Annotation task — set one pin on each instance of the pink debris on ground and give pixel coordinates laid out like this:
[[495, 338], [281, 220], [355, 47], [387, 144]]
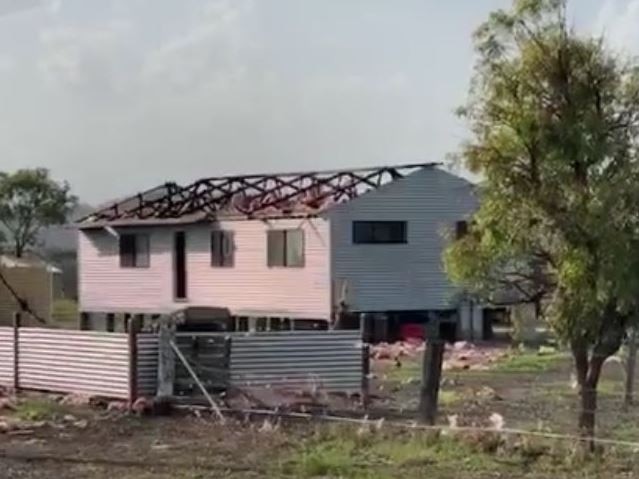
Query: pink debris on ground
[[398, 350], [76, 400], [460, 355]]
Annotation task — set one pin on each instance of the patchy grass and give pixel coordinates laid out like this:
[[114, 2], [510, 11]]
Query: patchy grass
[[529, 361], [37, 409], [450, 398], [409, 371], [347, 452], [65, 313], [351, 453]]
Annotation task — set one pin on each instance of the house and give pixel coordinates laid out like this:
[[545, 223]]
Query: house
[[28, 279], [282, 249]]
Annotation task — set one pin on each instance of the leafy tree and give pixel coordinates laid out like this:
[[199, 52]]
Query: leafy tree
[[555, 120], [29, 201]]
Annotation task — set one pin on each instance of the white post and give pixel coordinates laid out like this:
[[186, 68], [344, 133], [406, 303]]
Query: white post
[[478, 322]]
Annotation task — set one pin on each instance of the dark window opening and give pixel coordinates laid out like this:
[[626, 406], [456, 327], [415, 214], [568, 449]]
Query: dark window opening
[[222, 249], [134, 251], [285, 248], [380, 232], [179, 245], [461, 229]]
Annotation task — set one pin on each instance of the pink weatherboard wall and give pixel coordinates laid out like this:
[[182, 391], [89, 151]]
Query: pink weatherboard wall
[[249, 287]]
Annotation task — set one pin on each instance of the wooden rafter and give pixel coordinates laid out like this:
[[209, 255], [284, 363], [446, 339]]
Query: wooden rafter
[[252, 195]]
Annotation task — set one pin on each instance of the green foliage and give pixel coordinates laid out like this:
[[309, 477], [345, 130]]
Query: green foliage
[[529, 362], [348, 452], [65, 312], [29, 201], [37, 410], [555, 122]]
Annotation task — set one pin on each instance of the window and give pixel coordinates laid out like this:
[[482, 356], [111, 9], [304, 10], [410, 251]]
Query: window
[[222, 248], [379, 232], [134, 251], [179, 264], [461, 229], [285, 248]]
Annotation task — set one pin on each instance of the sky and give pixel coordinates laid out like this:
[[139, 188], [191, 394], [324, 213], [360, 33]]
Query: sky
[[116, 96]]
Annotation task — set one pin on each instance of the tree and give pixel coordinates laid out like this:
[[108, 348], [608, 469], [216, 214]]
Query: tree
[[554, 118], [29, 201]]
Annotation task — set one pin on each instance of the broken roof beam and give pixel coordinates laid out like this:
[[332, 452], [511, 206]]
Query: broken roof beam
[[251, 194]]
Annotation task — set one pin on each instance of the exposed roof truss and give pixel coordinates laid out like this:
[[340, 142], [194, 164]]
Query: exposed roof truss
[[249, 196]]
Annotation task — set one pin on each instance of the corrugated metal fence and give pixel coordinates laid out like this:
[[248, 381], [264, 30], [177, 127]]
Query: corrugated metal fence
[[79, 362], [333, 360], [6, 356], [100, 363], [74, 361], [147, 364]]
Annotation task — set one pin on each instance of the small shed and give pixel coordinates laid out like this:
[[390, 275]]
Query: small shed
[[32, 279]]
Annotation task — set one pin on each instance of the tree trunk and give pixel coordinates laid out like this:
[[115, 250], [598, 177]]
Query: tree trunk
[[630, 368], [588, 394], [588, 371]]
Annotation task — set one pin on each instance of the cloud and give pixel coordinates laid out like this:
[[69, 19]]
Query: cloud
[[209, 50], [194, 89], [8, 7], [84, 56], [6, 63], [618, 22]]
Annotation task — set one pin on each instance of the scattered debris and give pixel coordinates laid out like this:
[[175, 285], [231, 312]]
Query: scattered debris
[[142, 406], [267, 426], [117, 406], [160, 447], [396, 351], [460, 355], [7, 403], [497, 421], [81, 424], [489, 393], [543, 350], [76, 400]]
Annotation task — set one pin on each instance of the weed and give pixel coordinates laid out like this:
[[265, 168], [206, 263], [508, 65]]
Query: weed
[[37, 410], [65, 312], [528, 362]]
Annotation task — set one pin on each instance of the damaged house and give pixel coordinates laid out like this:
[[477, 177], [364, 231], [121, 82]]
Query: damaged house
[[281, 251]]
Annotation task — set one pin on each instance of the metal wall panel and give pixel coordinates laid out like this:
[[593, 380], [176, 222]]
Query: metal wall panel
[[147, 364], [80, 362], [6, 356], [400, 277], [331, 360], [250, 288]]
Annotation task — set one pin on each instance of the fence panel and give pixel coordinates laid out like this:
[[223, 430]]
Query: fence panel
[[330, 359], [81, 362], [207, 354], [6, 356], [147, 364]]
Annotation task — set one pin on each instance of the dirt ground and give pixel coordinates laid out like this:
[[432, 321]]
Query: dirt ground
[[527, 390], [188, 447]]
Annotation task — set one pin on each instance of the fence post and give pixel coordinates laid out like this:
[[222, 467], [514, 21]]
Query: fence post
[[16, 350], [366, 362], [110, 322], [133, 361], [84, 321], [166, 358], [365, 327], [431, 371], [228, 344], [631, 367]]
